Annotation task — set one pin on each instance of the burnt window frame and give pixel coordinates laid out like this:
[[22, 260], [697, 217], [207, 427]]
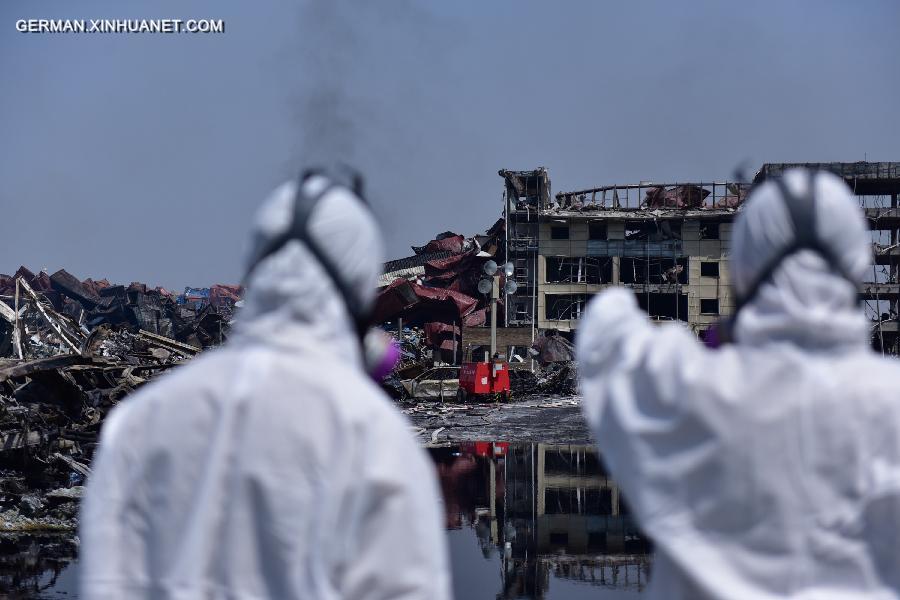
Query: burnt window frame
[[548, 298], [596, 270], [656, 304], [593, 225], [706, 312], [637, 270], [654, 230], [556, 228], [707, 229], [635, 229], [708, 264], [674, 227]]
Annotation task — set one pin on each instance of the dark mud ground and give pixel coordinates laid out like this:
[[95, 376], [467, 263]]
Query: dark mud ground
[[44, 565], [545, 420]]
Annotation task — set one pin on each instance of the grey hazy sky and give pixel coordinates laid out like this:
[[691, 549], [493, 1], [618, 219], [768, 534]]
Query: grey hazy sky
[[142, 157]]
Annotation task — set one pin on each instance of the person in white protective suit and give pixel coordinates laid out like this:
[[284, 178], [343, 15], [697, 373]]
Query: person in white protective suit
[[768, 467], [272, 467]]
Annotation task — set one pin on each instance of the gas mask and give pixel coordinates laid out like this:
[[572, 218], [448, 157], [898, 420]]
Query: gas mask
[[380, 352]]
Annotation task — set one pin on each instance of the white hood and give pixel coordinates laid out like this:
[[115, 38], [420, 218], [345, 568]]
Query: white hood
[[289, 294], [768, 468], [806, 301], [272, 467]]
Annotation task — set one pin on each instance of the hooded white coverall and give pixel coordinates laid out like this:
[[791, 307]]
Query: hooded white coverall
[[769, 468], [271, 467]]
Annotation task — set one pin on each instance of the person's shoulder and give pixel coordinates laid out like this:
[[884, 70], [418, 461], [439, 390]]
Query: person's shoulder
[[366, 407], [889, 363], [373, 403], [881, 372], [392, 451]]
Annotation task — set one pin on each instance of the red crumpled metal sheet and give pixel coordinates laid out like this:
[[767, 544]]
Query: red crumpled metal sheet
[[731, 201], [96, 285], [225, 295], [451, 242], [402, 296], [476, 318], [39, 283], [681, 196], [441, 335], [447, 266]]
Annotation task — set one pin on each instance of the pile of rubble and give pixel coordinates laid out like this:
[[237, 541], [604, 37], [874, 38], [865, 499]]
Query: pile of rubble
[[69, 351], [436, 289], [558, 380], [436, 292], [415, 356]]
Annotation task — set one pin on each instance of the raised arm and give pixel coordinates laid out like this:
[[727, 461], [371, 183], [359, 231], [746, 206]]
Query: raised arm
[[640, 383]]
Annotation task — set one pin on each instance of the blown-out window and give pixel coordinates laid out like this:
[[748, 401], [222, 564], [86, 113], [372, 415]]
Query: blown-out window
[[578, 269], [709, 306], [709, 269], [559, 232], [564, 307]]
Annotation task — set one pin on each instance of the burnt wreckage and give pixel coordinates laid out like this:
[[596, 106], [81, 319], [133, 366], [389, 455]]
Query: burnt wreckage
[[69, 351], [668, 242], [430, 300]]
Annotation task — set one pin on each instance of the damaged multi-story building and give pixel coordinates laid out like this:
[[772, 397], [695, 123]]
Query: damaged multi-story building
[[669, 242]]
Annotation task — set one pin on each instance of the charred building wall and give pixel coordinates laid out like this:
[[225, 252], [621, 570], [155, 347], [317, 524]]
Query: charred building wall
[[669, 243], [673, 261]]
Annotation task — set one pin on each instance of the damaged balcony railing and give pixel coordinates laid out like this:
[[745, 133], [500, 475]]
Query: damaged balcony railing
[[693, 195]]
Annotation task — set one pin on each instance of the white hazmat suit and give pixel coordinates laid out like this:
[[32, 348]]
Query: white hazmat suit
[[769, 468], [271, 467]]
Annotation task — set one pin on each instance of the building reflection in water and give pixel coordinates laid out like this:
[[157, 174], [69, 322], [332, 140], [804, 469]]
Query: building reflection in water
[[547, 510], [31, 563]]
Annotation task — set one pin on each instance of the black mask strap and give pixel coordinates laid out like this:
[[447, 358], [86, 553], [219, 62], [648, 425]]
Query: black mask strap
[[304, 204], [802, 213]]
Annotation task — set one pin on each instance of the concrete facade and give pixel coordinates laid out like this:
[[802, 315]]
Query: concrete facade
[[690, 252], [569, 247]]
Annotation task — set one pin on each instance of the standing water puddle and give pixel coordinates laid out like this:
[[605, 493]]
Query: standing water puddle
[[538, 521], [534, 521]]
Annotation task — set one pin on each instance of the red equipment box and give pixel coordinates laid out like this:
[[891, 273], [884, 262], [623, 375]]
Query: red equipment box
[[483, 379]]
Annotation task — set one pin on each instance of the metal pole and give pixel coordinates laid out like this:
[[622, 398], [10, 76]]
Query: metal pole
[[647, 270], [492, 487], [534, 278], [17, 334], [454, 341], [495, 294], [895, 238], [506, 247]]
